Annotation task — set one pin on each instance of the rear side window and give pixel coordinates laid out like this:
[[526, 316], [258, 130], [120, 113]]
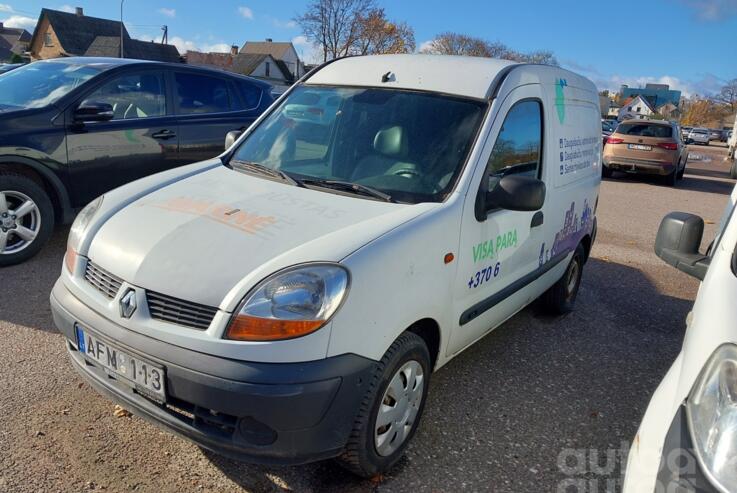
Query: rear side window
[[251, 94], [645, 130], [133, 96], [517, 148], [198, 94]]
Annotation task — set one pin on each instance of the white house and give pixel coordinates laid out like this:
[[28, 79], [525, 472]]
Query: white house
[[637, 108], [282, 51]]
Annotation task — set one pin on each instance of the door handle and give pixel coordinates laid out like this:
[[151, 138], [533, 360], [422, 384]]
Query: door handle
[[537, 219], [163, 135]]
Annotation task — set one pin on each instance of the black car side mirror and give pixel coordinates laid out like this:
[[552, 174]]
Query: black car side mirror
[[511, 192], [678, 241], [94, 112], [231, 137]]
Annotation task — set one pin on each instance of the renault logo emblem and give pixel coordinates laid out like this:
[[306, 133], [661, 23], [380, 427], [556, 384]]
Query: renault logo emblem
[[128, 303]]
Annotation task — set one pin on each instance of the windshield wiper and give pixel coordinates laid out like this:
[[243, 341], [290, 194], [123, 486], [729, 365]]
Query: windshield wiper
[[265, 170], [348, 186]]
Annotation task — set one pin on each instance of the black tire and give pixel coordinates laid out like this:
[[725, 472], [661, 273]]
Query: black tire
[[360, 455], [19, 184], [670, 179], [606, 172], [681, 172], [561, 297]]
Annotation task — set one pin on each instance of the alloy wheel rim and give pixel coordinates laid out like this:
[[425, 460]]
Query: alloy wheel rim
[[399, 408], [20, 221]]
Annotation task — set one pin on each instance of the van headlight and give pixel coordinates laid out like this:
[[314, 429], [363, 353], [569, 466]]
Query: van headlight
[[291, 303], [712, 417], [79, 227]]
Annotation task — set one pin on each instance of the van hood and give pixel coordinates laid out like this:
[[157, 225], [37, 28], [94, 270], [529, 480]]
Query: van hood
[[209, 238]]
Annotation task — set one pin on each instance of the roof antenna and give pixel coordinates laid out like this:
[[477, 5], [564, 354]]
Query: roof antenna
[[387, 77]]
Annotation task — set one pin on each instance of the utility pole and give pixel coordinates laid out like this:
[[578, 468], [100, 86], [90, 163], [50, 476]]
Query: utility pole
[[165, 37], [121, 28]]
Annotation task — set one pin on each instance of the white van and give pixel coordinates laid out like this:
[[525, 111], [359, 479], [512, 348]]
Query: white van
[[688, 438], [288, 300]]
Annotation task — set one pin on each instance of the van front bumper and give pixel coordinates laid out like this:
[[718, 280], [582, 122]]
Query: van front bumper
[[271, 413]]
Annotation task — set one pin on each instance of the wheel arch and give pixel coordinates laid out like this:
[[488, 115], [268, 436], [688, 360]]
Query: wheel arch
[[429, 330], [46, 178], [586, 242]]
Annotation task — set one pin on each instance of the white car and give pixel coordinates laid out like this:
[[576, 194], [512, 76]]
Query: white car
[[699, 136], [688, 438], [288, 301]]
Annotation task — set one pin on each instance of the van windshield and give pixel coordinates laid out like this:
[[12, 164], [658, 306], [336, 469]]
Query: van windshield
[[41, 83], [407, 145]]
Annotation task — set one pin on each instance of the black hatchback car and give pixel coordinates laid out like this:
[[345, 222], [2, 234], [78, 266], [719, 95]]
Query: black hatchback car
[[73, 128]]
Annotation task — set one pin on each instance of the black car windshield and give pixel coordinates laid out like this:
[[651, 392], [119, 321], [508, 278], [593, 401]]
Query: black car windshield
[[407, 145], [41, 83]]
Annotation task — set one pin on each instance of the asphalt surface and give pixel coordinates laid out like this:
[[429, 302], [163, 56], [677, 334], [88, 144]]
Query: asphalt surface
[[538, 405]]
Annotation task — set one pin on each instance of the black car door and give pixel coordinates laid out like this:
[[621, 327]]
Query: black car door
[[209, 106], [139, 140]]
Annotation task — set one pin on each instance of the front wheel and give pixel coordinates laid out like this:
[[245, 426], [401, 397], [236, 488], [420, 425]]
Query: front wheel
[[26, 218], [391, 409], [561, 296]]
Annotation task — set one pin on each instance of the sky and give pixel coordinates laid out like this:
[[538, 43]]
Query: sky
[[689, 44]]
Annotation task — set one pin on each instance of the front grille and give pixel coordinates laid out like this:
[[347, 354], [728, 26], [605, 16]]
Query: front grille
[[102, 280], [176, 311]]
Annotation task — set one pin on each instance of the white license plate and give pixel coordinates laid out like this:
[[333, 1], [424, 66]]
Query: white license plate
[[639, 147], [146, 377]]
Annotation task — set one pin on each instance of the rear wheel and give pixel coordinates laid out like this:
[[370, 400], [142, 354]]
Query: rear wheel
[[26, 218], [681, 172], [670, 179], [561, 296], [391, 409]]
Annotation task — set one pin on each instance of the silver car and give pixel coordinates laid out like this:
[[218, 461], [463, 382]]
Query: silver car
[[698, 136]]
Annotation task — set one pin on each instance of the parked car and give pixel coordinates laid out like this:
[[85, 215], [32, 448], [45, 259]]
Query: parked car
[[684, 133], [646, 146], [715, 134], [732, 141], [699, 136], [725, 133], [7, 67], [73, 128], [288, 301], [686, 441]]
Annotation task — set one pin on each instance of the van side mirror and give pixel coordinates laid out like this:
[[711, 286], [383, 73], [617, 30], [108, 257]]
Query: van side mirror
[[678, 241], [91, 111], [231, 137], [511, 192]]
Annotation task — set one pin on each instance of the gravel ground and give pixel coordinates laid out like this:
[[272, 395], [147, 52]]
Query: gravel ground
[[538, 404]]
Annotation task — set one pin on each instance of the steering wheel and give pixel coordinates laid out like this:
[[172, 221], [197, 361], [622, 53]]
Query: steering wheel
[[408, 173]]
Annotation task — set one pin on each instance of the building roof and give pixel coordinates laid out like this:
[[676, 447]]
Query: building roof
[[77, 32], [13, 40], [242, 63], [276, 49], [217, 60], [109, 46]]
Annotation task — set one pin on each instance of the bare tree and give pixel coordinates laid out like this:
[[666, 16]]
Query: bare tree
[[334, 24], [728, 95], [449, 43], [377, 35]]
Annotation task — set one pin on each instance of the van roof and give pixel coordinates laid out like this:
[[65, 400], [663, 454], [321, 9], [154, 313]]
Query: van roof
[[459, 75]]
